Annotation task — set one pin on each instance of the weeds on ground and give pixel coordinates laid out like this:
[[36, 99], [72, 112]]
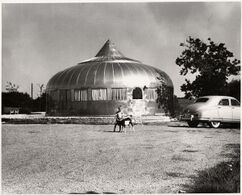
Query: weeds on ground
[[223, 178]]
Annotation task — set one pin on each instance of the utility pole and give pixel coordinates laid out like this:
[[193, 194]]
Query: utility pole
[[32, 90]]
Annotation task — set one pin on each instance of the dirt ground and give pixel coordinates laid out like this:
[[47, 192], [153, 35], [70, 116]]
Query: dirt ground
[[82, 158]]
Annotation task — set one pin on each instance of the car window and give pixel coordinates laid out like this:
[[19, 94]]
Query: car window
[[224, 102], [201, 100], [235, 102]]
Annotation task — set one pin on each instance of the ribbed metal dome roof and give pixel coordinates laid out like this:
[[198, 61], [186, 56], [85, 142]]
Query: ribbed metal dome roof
[[109, 68]]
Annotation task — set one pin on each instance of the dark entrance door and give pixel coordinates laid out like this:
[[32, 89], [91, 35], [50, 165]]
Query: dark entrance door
[[137, 93]]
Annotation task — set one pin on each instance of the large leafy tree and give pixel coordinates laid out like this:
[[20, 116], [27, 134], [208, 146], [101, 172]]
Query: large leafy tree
[[233, 89], [212, 64]]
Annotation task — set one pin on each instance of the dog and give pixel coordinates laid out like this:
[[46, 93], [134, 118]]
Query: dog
[[126, 122]]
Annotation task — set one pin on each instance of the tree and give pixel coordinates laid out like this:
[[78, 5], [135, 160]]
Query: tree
[[233, 89], [212, 64], [39, 104], [41, 89], [17, 99], [10, 87], [165, 97]]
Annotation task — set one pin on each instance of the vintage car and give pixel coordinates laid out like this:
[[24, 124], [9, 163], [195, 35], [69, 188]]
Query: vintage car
[[213, 110]]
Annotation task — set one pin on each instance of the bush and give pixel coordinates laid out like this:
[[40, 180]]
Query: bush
[[24, 111], [39, 104], [17, 99]]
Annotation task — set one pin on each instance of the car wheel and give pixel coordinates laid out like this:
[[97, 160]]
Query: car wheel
[[214, 124], [192, 123]]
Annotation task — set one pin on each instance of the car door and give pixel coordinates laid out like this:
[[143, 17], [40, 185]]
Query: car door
[[235, 110], [225, 110]]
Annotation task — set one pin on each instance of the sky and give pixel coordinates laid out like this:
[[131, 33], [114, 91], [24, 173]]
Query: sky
[[39, 40]]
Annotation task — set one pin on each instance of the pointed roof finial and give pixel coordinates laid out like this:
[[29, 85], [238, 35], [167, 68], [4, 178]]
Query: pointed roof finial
[[109, 50]]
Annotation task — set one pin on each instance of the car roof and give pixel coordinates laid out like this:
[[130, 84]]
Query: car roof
[[217, 97]]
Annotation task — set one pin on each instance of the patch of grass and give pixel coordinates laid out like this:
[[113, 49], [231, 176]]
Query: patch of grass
[[174, 174], [149, 147], [190, 151], [33, 132], [179, 158], [231, 154], [223, 178], [232, 146], [194, 131], [208, 137], [171, 131]]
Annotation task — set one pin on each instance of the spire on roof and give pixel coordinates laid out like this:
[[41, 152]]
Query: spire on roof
[[109, 50]]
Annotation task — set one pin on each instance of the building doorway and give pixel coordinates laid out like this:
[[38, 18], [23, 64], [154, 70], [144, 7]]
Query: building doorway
[[137, 93]]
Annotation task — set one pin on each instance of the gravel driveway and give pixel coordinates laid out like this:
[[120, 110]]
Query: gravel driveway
[[82, 158]]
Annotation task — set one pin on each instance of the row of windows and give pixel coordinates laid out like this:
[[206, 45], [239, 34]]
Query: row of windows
[[80, 95], [111, 94], [119, 94]]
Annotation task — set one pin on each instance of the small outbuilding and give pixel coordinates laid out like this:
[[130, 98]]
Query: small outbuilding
[[100, 85]]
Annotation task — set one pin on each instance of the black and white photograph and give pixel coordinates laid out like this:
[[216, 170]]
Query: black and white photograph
[[102, 97]]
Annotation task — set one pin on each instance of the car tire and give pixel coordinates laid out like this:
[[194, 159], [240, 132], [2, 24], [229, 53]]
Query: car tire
[[192, 123], [214, 124]]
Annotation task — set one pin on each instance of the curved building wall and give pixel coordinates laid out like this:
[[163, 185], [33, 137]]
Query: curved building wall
[[100, 85], [63, 102]]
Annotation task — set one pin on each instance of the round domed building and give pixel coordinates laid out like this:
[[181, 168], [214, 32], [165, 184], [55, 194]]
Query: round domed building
[[100, 85]]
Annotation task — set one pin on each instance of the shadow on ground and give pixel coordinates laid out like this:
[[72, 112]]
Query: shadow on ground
[[223, 178], [224, 126]]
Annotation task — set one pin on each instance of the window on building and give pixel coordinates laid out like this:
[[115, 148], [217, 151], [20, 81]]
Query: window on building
[[119, 94], [80, 95], [99, 94], [151, 93], [137, 93], [77, 96], [72, 95], [84, 95]]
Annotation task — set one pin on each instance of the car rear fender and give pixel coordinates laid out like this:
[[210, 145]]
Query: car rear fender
[[210, 113]]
